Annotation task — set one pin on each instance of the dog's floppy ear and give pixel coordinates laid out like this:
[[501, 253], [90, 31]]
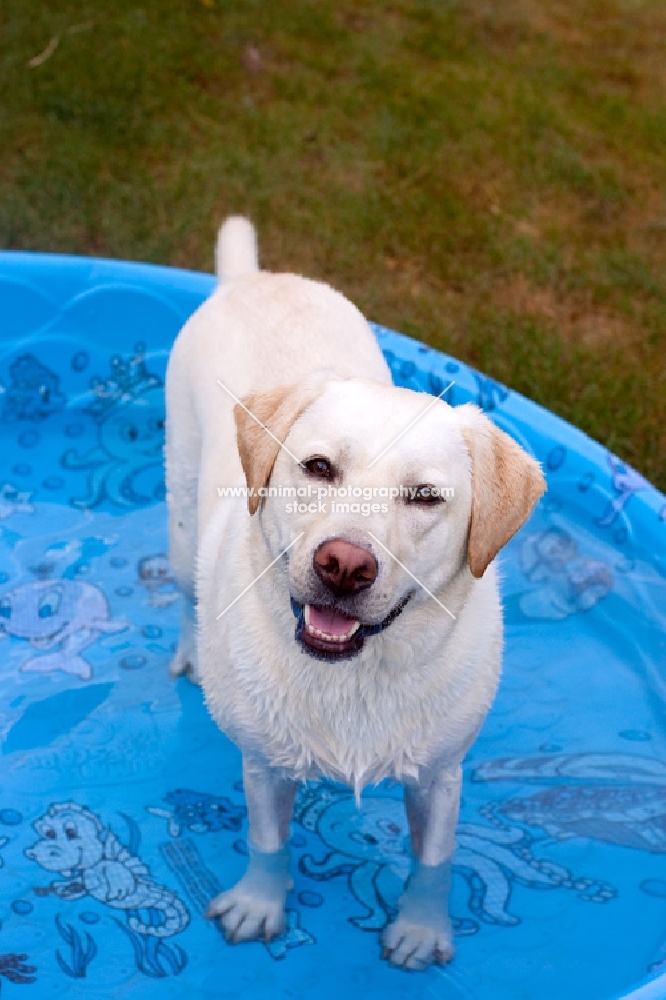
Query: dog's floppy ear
[[263, 421], [506, 484]]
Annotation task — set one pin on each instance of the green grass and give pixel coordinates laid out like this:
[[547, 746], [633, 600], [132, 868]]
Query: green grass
[[489, 178]]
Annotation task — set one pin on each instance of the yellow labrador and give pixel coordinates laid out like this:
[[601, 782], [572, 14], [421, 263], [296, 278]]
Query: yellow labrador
[[348, 621]]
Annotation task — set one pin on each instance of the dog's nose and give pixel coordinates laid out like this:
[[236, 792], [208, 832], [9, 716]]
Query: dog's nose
[[344, 568]]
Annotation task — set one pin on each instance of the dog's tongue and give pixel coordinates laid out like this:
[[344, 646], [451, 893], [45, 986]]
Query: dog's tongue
[[330, 620]]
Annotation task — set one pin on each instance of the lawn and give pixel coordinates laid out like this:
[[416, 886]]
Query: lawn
[[487, 177]]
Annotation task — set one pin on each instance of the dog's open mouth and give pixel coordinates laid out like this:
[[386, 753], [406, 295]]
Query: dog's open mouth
[[329, 630], [330, 634]]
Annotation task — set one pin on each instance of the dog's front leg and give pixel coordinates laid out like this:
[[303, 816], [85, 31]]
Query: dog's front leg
[[254, 907], [421, 933]]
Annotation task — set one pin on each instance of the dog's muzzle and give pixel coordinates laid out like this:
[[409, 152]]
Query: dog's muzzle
[[330, 634]]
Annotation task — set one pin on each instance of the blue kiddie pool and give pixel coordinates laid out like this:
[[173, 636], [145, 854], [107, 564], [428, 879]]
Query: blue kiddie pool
[[121, 804]]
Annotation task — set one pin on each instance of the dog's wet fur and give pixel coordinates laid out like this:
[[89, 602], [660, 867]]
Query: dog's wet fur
[[409, 699]]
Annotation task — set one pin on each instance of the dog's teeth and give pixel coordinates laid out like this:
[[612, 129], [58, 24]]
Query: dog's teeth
[[307, 614], [327, 635]]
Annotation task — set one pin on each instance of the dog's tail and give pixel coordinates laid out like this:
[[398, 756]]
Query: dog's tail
[[236, 251]]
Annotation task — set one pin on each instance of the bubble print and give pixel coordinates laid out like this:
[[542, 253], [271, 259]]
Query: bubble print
[[10, 817], [28, 439], [80, 361], [22, 907], [654, 887], [309, 898], [53, 483]]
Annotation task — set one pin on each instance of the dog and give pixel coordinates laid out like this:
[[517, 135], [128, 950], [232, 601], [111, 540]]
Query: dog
[[348, 639]]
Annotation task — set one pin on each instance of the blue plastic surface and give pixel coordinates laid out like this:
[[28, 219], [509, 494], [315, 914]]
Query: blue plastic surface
[[559, 881]]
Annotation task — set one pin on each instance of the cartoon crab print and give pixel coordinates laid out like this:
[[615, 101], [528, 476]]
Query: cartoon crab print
[[199, 812]]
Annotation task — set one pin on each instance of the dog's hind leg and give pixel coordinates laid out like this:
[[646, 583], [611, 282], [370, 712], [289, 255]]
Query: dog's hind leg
[[185, 658], [183, 451], [182, 546]]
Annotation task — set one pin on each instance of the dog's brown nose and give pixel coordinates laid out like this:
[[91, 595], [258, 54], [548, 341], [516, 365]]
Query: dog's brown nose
[[344, 568]]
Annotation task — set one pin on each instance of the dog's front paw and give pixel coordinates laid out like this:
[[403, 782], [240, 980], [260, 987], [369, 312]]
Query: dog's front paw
[[254, 908], [421, 935], [246, 916], [414, 945]]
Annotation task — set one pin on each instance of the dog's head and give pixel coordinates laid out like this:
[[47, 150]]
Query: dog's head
[[380, 502]]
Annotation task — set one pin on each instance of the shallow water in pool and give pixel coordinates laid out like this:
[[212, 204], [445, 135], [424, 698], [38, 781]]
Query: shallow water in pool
[[121, 807]]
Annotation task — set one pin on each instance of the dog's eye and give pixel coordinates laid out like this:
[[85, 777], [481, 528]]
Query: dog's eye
[[425, 494], [319, 467]]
